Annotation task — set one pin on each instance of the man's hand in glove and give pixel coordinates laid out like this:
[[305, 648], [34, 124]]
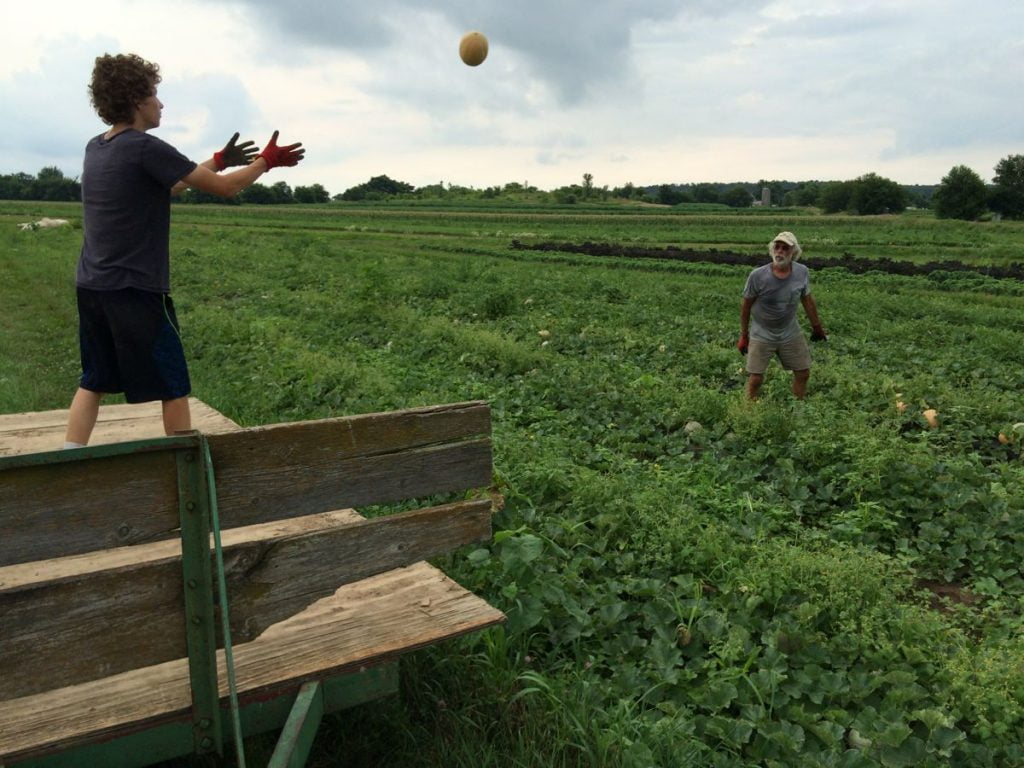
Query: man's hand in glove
[[276, 156], [235, 154], [743, 344]]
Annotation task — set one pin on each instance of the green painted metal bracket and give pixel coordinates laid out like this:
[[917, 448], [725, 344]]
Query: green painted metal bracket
[[300, 728], [200, 618], [104, 451]]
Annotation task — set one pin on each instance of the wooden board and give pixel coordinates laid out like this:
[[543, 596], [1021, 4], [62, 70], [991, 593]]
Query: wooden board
[[351, 461], [141, 487], [44, 430], [57, 510], [262, 474], [364, 623], [92, 624]]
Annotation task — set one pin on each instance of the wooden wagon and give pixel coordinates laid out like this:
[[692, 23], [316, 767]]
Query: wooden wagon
[[161, 596]]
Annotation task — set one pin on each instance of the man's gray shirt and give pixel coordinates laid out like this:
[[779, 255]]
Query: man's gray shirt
[[773, 313], [126, 203]]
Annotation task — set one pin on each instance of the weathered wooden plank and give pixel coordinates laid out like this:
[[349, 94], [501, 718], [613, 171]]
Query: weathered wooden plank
[[94, 624], [44, 430], [262, 474], [363, 623], [301, 483], [351, 461], [350, 436], [75, 566], [55, 510]]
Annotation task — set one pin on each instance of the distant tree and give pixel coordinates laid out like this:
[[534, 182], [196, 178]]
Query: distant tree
[[282, 192], [706, 193], [804, 194], [51, 184], [258, 194], [627, 191], [15, 186], [377, 188], [588, 185], [428, 191], [917, 198], [195, 196], [835, 196], [737, 197], [1008, 196], [961, 195], [567, 195], [874, 194], [311, 194], [670, 194]]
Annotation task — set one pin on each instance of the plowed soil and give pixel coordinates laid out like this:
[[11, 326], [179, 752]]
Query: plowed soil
[[848, 261]]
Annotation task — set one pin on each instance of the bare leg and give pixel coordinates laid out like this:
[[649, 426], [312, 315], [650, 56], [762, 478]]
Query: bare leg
[[177, 417], [800, 383], [85, 407], [754, 382]]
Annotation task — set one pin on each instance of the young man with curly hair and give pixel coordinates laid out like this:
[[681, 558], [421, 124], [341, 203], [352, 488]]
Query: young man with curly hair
[[128, 331]]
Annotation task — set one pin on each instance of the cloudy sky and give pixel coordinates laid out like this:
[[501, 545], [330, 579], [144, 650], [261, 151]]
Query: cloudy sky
[[647, 91]]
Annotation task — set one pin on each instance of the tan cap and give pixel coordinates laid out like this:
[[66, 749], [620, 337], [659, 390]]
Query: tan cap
[[786, 237]]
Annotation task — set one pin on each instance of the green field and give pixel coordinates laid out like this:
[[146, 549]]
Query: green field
[[691, 579]]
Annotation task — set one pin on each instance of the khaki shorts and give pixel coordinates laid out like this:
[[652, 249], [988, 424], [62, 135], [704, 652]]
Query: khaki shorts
[[793, 354]]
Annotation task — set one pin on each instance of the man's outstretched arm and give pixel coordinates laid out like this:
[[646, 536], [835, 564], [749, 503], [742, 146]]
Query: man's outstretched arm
[[233, 154], [230, 184]]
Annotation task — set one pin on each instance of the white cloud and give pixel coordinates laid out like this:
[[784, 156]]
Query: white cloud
[[660, 91]]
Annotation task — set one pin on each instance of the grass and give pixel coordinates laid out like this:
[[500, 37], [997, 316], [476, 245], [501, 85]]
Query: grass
[[38, 279], [742, 592]]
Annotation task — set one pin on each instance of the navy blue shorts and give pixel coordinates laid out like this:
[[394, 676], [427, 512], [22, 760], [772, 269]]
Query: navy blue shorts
[[130, 343]]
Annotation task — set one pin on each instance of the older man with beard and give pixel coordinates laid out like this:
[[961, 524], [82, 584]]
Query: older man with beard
[[770, 300]]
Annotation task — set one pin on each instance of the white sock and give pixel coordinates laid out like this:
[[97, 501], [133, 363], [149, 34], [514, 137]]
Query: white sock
[[70, 444]]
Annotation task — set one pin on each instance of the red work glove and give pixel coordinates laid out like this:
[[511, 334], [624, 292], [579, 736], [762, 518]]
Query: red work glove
[[818, 334], [743, 343], [235, 154], [276, 156]]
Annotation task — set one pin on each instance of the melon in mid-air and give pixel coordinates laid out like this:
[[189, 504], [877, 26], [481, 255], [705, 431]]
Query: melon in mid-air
[[473, 48]]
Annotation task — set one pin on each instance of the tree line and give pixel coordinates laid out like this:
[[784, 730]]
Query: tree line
[[49, 184], [52, 185], [962, 193]]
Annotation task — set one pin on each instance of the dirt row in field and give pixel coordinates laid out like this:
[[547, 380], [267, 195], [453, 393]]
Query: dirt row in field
[[849, 262]]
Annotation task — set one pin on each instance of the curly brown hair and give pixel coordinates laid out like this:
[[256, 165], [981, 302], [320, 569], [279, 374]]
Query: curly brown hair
[[119, 84]]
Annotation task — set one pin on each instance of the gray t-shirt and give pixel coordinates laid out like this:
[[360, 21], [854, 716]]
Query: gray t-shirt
[[773, 314], [126, 203]]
